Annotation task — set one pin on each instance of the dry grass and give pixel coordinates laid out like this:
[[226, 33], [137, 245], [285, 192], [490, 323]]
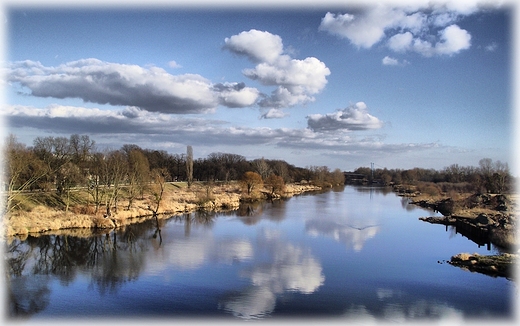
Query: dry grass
[[46, 211]]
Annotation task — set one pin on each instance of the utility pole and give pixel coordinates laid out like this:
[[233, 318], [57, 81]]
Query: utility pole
[[372, 169]]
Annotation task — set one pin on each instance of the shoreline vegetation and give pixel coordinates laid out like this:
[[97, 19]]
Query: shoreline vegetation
[[68, 183], [177, 199]]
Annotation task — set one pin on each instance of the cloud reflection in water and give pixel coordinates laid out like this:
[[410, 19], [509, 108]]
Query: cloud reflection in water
[[352, 236], [291, 268]]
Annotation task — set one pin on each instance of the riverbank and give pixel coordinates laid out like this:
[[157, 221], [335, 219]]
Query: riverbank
[[490, 218], [177, 199], [487, 214]]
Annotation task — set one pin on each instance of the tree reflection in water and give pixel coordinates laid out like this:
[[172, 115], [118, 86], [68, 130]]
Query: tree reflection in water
[[112, 259]]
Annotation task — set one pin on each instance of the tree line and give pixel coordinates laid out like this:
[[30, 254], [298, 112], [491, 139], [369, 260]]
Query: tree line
[[488, 177], [60, 164]]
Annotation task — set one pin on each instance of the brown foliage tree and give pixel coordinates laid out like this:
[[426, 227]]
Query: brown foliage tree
[[275, 184], [251, 181]]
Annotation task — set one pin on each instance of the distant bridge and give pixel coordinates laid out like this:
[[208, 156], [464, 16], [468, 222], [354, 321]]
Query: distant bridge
[[356, 178]]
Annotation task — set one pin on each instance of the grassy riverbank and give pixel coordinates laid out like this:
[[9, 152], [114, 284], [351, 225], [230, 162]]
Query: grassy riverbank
[[45, 211]]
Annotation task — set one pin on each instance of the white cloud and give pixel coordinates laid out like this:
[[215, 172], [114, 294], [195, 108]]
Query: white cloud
[[388, 61], [273, 113], [71, 119], [258, 46], [362, 30], [174, 64], [354, 117], [444, 19], [406, 28], [236, 95], [400, 42], [113, 128], [453, 40], [296, 80], [151, 89]]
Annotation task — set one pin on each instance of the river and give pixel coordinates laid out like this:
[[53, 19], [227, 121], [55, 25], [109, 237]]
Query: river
[[353, 254]]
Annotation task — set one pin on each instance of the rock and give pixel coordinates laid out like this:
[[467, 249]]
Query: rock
[[446, 207], [494, 265], [445, 220], [483, 219]]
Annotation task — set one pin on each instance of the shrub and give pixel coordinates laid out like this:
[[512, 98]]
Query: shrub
[[431, 190]]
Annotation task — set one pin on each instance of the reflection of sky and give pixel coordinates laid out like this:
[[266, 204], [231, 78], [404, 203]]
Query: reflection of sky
[[353, 237], [289, 268], [191, 252], [393, 310], [273, 265]]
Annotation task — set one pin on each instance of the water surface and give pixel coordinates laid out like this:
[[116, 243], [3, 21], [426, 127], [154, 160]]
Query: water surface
[[354, 253]]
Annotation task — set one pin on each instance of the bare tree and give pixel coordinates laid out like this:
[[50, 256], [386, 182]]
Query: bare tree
[[159, 177], [22, 171], [189, 165], [281, 168], [95, 180], [262, 168], [138, 174], [116, 170], [81, 147], [71, 177], [338, 178]]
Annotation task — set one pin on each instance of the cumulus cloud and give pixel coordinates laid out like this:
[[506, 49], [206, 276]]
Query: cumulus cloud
[[401, 42], [258, 46], [296, 80], [354, 117], [364, 29], [236, 95], [426, 29], [273, 113], [151, 89], [453, 40]]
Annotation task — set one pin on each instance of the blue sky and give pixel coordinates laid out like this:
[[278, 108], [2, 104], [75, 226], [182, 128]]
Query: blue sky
[[403, 85]]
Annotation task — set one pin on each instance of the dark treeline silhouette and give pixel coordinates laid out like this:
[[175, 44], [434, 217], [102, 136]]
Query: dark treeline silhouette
[[488, 177], [60, 164]]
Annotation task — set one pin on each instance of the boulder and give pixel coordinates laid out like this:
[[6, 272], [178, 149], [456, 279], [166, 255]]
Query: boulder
[[483, 219]]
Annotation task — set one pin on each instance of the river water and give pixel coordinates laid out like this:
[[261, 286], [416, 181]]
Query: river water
[[354, 253]]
